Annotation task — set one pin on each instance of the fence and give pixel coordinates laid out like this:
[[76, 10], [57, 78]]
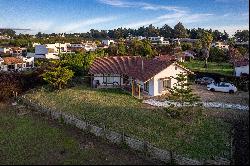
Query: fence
[[121, 138]]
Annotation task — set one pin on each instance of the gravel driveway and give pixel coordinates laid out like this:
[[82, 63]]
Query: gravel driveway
[[208, 96]]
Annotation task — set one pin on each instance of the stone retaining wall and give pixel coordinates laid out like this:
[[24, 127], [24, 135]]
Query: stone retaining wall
[[118, 138]]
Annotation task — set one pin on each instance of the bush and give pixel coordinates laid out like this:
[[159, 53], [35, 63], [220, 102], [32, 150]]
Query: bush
[[12, 83]]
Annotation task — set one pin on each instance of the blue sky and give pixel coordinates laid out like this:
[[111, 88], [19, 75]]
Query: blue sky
[[82, 15]]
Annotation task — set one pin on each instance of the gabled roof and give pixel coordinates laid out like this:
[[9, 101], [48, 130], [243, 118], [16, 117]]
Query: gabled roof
[[241, 62], [12, 60], [134, 66]]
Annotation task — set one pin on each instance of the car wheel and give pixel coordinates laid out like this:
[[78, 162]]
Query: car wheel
[[212, 90], [231, 91]]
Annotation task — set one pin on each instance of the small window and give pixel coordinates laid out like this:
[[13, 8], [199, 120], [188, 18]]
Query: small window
[[176, 68], [166, 83], [146, 86]]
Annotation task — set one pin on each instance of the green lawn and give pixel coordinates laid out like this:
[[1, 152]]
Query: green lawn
[[31, 140], [121, 112], [213, 67]]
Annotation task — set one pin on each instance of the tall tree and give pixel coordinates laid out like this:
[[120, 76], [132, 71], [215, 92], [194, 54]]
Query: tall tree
[[206, 40], [242, 36], [182, 92], [180, 31]]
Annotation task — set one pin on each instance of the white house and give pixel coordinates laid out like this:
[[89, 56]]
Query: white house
[[5, 50], [220, 45], [107, 42], [241, 67], [154, 77], [16, 63], [50, 51], [158, 40]]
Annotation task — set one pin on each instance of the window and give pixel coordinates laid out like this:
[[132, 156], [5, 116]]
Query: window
[[176, 67], [167, 83], [146, 86]]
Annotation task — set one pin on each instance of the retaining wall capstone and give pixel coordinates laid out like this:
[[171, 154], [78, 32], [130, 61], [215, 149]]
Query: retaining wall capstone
[[115, 137], [159, 154], [97, 131], [134, 143]]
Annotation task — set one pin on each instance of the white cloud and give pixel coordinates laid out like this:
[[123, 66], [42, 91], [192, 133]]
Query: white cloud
[[230, 29], [74, 26], [173, 18], [141, 5]]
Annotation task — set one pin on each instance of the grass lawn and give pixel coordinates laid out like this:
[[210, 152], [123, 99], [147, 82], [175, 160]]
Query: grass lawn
[[33, 139], [202, 139], [213, 67]]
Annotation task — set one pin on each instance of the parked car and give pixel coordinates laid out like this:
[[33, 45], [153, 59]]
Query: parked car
[[222, 87], [204, 80]]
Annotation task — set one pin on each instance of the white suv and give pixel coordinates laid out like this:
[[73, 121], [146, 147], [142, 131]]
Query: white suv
[[222, 87]]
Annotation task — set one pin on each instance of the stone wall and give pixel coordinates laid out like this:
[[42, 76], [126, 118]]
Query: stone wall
[[120, 138]]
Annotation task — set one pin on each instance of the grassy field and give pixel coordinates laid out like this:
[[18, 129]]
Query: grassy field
[[213, 67], [118, 111], [27, 139]]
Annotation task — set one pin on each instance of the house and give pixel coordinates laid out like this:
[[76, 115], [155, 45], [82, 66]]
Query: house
[[107, 42], [153, 77], [4, 50], [50, 51], [16, 63], [158, 40], [188, 54], [220, 45], [241, 67]]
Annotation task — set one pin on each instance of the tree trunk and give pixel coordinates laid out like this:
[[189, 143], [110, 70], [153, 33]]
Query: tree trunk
[[205, 63]]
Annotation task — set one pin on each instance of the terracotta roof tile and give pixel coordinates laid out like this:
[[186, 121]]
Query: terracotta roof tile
[[12, 60], [134, 66]]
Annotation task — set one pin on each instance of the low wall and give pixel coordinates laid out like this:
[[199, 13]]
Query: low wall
[[120, 138]]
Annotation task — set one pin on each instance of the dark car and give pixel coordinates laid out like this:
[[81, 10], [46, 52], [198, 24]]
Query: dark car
[[204, 80]]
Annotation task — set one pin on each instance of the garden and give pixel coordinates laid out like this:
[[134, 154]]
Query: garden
[[192, 134]]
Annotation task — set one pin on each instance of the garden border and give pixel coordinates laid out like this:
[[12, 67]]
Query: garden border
[[121, 138]]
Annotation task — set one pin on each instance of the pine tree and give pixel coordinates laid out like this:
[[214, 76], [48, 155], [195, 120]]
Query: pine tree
[[182, 92]]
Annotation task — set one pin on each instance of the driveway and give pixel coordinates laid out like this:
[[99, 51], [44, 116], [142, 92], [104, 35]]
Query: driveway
[[208, 96]]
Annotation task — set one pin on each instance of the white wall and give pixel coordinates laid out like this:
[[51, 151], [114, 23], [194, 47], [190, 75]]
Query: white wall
[[242, 69], [116, 78], [168, 72]]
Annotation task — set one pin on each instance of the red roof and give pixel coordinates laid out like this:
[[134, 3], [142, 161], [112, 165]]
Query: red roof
[[134, 66], [241, 62], [12, 60]]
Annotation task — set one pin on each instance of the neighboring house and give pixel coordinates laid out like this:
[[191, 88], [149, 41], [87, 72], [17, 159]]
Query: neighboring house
[[35, 44], [188, 40], [220, 45], [16, 63], [50, 51], [158, 40], [155, 76], [5, 50], [188, 54], [107, 42], [241, 67]]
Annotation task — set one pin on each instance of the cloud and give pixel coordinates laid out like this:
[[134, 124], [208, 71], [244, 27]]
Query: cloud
[[230, 29], [141, 5], [74, 26], [172, 18]]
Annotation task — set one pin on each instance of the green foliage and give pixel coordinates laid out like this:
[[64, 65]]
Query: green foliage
[[206, 39], [180, 31], [186, 46], [242, 36], [218, 55], [182, 92], [58, 77], [121, 49]]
